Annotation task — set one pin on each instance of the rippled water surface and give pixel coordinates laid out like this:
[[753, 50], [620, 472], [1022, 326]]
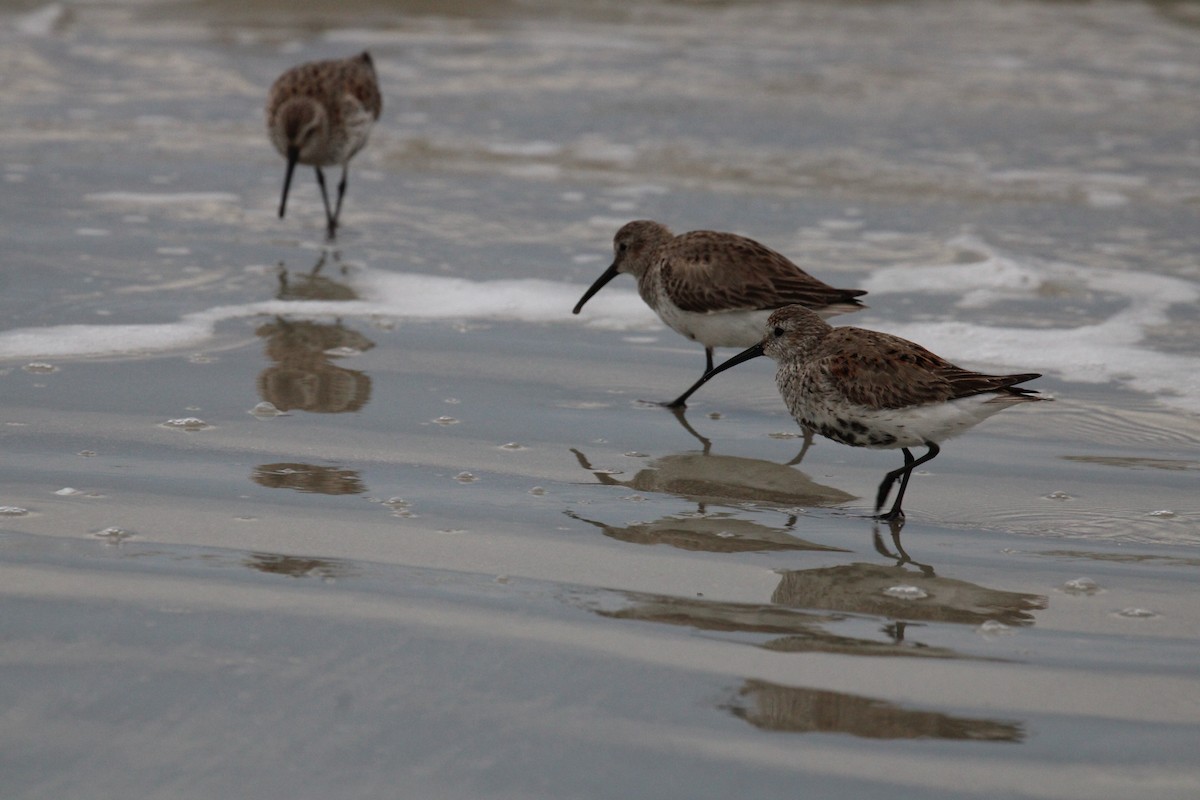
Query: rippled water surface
[[281, 519]]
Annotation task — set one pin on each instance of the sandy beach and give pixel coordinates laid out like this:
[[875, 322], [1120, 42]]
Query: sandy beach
[[462, 553]]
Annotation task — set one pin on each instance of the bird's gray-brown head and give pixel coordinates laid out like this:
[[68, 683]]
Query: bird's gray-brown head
[[633, 253], [299, 130], [792, 330]]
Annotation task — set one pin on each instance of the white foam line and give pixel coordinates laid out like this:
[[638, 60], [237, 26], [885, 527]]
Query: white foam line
[[1109, 351], [401, 296], [162, 198]]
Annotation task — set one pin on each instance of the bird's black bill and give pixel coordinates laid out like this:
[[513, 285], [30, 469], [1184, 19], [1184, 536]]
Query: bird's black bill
[[745, 355], [293, 155], [608, 275]]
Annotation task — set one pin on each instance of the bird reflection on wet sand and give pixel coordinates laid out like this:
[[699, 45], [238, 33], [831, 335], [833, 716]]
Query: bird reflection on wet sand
[[312, 285], [897, 593], [708, 479], [789, 630], [792, 709], [713, 533], [310, 478], [723, 480], [298, 567], [304, 375]]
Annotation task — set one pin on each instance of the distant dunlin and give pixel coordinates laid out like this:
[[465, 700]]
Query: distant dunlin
[[869, 389], [320, 114], [714, 288]]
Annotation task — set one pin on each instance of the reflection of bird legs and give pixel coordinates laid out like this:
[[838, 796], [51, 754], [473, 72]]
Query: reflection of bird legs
[[603, 477], [312, 273], [895, 630], [808, 441], [902, 557], [678, 413], [321, 262]]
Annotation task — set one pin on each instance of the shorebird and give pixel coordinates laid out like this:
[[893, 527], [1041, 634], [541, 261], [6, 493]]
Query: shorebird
[[319, 114], [714, 288], [870, 389]]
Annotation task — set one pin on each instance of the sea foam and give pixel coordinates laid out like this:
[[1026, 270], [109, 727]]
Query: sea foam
[[1112, 349]]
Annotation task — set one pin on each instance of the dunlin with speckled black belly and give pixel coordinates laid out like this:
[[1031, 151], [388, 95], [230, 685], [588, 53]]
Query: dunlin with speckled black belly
[[870, 389]]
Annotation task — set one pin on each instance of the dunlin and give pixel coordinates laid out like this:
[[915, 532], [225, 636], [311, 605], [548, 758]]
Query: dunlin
[[714, 288], [320, 114], [869, 389]]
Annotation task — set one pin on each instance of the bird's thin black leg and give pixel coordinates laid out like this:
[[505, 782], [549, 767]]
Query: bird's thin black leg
[[903, 474], [337, 211], [330, 220], [886, 485], [681, 401]]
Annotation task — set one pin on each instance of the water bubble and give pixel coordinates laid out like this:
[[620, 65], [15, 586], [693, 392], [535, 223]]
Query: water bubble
[[634, 498], [993, 627], [1137, 613], [1163, 514], [452, 401], [726, 535], [67, 491], [538, 491], [446, 421], [186, 424], [465, 477], [512, 446], [39, 367], [265, 410], [1080, 586], [112, 535], [13, 511], [635, 454], [905, 592], [1059, 496], [200, 358], [783, 435], [400, 507]]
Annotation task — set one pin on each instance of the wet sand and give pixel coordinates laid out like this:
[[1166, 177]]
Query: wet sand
[[467, 560]]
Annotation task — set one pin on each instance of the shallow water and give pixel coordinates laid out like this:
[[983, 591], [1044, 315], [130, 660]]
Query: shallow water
[[457, 556]]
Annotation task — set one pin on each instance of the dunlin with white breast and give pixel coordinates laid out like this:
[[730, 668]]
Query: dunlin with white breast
[[320, 114], [714, 288]]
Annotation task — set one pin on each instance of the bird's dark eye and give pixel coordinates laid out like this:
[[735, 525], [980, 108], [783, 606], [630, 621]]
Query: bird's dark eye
[[622, 247], [778, 331]]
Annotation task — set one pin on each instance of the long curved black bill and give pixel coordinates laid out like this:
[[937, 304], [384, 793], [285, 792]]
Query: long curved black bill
[[608, 275], [293, 155], [742, 357]]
